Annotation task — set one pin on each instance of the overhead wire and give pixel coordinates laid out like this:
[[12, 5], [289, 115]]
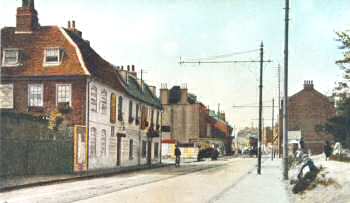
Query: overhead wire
[[222, 55]]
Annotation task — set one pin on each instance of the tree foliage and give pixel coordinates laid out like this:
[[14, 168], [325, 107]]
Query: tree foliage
[[339, 126]]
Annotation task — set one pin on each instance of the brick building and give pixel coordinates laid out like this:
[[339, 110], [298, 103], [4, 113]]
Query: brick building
[[189, 122], [307, 109], [49, 70]]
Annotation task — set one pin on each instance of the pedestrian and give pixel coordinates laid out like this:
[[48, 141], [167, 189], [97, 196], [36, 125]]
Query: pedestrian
[[327, 149], [177, 155]]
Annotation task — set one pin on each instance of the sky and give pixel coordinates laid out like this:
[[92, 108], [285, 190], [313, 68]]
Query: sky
[[154, 34]]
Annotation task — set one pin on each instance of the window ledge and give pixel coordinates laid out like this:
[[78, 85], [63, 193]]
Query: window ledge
[[35, 109], [51, 64], [11, 65]]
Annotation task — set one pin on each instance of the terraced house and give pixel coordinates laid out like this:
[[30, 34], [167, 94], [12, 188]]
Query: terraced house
[[52, 72]]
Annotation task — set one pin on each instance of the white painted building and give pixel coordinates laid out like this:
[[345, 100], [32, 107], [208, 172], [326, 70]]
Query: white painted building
[[122, 140]]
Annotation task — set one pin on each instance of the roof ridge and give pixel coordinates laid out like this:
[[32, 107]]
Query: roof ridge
[[77, 49]]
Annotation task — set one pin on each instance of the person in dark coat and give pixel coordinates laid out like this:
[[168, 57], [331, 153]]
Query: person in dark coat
[[327, 149], [177, 155]]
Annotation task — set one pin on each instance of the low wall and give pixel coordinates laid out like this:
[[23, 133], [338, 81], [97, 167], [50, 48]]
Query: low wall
[[28, 147]]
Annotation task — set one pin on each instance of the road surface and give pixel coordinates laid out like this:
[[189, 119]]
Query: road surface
[[193, 182]]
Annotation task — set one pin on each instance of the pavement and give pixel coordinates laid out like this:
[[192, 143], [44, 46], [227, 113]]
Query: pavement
[[254, 188], [19, 182]]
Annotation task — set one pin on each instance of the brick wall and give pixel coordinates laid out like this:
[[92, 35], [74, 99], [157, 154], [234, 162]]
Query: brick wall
[[75, 117], [32, 47], [307, 109]]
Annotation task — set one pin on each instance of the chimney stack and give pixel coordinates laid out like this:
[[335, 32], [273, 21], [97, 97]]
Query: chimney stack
[[128, 67], [308, 85], [72, 28], [27, 19], [164, 94], [153, 90], [184, 94], [133, 71]]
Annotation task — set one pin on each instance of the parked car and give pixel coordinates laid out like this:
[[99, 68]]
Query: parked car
[[208, 153]]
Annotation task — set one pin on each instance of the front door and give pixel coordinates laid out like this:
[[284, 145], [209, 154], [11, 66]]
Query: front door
[[119, 151], [149, 152]]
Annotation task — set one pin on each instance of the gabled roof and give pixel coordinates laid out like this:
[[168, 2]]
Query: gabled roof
[[31, 49], [107, 73], [79, 59], [96, 65], [312, 91]]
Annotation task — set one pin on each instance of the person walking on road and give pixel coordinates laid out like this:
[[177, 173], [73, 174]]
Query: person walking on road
[[177, 155], [327, 150]]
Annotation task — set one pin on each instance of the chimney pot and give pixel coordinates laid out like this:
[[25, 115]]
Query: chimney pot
[[69, 24], [308, 84], [122, 67], [133, 68], [73, 24], [128, 67]]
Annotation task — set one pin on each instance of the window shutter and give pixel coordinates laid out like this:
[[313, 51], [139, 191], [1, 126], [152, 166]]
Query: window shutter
[[113, 108]]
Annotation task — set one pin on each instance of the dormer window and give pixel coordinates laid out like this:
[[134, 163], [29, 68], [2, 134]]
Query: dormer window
[[10, 57], [52, 57]]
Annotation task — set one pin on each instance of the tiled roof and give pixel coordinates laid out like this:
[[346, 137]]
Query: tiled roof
[[32, 48], [134, 89], [221, 125], [96, 65], [107, 73]]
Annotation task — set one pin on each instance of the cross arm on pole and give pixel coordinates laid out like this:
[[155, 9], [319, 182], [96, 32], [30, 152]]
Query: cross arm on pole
[[254, 106], [222, 62]]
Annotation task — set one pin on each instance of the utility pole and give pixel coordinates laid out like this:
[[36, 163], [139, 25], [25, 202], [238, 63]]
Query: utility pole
[[260, 106], [272, 127], [285, 105], [261, 61], [279, 87], [279, 111]]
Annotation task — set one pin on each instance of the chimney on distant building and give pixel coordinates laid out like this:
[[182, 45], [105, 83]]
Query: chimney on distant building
[[164, 94], [184, 94], [27, 17], [132, 71], [153, 89], [223, 116], [72, 28], [308, 85]]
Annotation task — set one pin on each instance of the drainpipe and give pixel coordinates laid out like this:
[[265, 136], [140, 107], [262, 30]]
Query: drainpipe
[[140, 144], [88, 81], [160, 137]]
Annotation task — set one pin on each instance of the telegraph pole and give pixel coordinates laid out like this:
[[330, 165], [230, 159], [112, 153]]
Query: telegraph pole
[[285, 105], [279, 87], [260, 106], [272, 125], [279, 111], [261, 61]]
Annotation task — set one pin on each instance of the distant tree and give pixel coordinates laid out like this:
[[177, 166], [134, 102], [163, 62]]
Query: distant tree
[[339, 126], [344, 63]]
